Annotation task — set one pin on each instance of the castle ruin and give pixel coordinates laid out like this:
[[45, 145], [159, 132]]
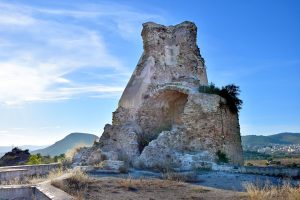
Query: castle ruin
[[162, 118]]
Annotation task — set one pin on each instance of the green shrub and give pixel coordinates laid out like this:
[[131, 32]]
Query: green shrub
[[222, 157], [34, 160], [228, 92], [59, 158], [210, 89]]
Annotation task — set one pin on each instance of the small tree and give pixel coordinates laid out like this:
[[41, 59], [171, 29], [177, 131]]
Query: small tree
[[231, 93]]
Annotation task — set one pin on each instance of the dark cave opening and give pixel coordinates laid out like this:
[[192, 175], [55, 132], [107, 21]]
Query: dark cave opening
[[160, 113]]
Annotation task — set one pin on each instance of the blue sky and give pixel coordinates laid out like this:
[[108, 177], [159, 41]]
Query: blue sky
[[64, 64]]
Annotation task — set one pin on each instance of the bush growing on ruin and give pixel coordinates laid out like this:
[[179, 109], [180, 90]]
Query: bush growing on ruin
[[222, 157], [228, 92], [210, 89]]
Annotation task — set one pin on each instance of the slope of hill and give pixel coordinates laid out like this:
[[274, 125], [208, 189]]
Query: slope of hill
[[15, 157], [67, 143], [280, 138]]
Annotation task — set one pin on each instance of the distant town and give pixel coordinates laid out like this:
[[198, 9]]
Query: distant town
[[275, 149]]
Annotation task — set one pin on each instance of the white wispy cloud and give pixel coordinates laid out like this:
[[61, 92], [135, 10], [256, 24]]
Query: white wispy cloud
[[6, 133], [14, 15], [40, 47]]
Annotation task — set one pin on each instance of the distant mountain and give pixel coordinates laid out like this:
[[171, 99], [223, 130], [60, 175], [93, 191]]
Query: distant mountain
[[280, 138], [70, 141]]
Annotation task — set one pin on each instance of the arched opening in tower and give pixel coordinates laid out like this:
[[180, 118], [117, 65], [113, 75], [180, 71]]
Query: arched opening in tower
[[160, 113]]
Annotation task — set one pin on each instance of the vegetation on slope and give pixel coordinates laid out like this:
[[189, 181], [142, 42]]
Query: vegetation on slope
[[15, 157], [280, 138]]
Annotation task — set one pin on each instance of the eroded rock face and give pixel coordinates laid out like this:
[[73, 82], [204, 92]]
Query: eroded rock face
[[162, 119]]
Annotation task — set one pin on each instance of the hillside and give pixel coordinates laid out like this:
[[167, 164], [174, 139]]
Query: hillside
[[67, 143], [280, 138], [5, 149], [15, 157]]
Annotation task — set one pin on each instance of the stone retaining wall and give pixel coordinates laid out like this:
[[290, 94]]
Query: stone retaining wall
[[271, 171], [19, 172], [22, 192]]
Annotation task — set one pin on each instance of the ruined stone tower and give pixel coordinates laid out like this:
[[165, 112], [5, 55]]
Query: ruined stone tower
[[162, 118]]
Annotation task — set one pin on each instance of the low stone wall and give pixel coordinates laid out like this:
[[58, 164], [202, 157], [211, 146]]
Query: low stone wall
[[44, 192], [16, 192], [22, 192], [39, 195], [271, 171], [19, 172]]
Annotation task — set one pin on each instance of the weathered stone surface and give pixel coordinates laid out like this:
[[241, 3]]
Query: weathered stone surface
[[113, 164], [161, 105]]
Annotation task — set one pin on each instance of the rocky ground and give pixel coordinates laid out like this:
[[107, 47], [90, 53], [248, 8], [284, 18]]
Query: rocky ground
[[214, 179], [151, 185], [151, 189]]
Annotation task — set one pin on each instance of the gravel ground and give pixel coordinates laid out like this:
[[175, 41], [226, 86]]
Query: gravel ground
[[237, 181]]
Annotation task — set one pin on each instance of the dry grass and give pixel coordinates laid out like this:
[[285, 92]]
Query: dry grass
[[52, 175], [257, 162], [131, 184], [34, 179], [283, 161], [285, 192], [141, 183], [76, 184], [99, 165], [103, 165], [180, 177], [70, 153]]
